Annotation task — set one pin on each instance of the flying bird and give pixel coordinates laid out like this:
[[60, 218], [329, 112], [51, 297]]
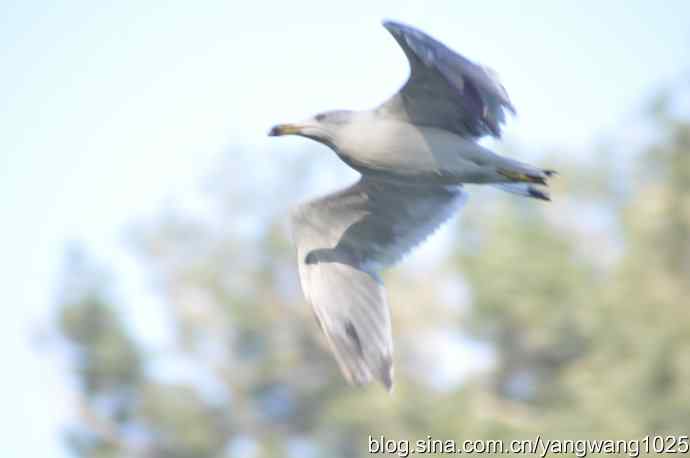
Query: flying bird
[[414, 153]]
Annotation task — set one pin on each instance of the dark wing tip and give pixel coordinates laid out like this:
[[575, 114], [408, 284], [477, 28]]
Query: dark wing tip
[[538, 193], [391, 25], [396, 27]]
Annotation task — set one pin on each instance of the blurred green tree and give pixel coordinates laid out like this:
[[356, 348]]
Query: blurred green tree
[[588, 327]]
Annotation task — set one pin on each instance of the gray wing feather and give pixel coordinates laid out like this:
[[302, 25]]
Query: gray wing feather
[[343, 240], [445, 89]]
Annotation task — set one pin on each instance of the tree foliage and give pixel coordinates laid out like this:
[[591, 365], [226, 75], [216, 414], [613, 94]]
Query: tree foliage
[[588, 324]]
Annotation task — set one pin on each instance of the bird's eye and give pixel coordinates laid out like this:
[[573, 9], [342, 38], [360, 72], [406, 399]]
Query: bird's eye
[[320, 117]]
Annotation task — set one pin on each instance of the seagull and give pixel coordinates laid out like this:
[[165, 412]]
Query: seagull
[[414, 153]]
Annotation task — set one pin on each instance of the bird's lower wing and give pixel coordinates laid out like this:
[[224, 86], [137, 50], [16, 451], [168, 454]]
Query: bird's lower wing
[[351, 309], [343, 240]]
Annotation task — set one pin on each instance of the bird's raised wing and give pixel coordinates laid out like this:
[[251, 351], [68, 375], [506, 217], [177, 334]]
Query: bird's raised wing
[[343, 240], [445, 89]]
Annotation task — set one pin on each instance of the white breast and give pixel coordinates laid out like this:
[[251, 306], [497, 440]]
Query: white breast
[[404, 149]]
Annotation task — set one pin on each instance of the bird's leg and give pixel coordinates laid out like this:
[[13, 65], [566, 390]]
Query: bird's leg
[[527, 177]]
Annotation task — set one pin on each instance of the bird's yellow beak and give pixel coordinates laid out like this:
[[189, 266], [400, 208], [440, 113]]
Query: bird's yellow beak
[[285, 129]]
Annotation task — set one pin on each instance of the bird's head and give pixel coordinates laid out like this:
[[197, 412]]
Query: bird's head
[[323, 127]]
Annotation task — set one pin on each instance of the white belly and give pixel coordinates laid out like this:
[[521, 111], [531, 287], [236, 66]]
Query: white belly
[[426, 153]]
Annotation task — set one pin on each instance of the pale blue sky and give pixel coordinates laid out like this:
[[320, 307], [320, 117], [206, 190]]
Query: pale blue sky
[[110, 108]]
